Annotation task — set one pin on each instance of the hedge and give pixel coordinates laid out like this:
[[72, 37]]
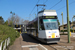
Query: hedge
[[6, 31], [66, 30]]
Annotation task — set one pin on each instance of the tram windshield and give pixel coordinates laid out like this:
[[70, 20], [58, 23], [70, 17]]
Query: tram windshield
[[50, 24]]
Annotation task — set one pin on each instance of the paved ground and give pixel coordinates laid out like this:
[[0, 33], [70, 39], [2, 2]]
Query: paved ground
[[25, 42]]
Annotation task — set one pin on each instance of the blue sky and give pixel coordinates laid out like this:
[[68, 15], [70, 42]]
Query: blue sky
[[23, 8]]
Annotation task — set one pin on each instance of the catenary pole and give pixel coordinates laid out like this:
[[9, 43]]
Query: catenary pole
[[68, 25]]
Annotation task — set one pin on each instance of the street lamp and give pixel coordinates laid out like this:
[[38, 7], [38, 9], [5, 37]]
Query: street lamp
[[62, 17], [62, 22], [12, 16], [72, 21]]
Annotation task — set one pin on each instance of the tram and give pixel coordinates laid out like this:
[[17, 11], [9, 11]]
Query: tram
[[45, 27]]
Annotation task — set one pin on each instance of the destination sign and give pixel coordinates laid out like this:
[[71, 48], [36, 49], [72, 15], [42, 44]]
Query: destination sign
[[50, 17]]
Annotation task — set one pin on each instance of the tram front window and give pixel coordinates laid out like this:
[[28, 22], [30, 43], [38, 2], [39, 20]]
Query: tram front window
[[50, 24]]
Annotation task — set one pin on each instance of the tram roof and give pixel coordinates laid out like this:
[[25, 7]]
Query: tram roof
[[44, 13], [47, 11]]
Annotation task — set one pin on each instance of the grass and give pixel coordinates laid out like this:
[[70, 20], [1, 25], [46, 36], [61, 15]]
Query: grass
[[6, 31]]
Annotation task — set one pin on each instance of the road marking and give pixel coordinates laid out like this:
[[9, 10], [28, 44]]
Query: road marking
[[73, 36], [29, 46], [33, 48], [43, 47]]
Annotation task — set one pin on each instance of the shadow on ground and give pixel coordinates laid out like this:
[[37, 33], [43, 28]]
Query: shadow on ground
[[28, 38]]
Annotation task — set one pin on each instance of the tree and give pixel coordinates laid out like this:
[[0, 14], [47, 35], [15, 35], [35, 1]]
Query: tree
[[24, 21], [58, 22], [6, 23], [1, 20], [14, 20]]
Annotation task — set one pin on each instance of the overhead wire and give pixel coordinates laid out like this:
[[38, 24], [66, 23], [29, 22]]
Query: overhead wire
[[34, 7], [65, 6], [43, 3], [52, 6], [56, 4]]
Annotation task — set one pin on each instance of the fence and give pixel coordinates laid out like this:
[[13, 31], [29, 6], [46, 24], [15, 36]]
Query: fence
[[5, 44]]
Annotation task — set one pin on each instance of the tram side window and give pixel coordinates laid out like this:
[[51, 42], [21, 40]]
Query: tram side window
[[41, 25]]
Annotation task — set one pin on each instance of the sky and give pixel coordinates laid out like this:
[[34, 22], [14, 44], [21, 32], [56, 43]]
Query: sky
[[26, 9]]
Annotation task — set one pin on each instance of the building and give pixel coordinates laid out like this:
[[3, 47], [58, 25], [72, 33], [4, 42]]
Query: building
[[64, 27], [20, 27]]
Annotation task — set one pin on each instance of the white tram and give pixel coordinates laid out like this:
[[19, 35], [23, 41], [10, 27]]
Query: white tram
[[45, 27]]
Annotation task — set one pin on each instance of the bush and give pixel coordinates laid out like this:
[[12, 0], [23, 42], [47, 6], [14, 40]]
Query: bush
[[67, 31], [6, 31]]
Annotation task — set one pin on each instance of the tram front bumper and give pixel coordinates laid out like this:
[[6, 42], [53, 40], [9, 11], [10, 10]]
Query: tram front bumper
[[52, 40]]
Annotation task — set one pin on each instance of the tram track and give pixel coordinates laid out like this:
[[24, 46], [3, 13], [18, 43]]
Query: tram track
[[62, 45], [53, 46], [56, 47], [59, 46]]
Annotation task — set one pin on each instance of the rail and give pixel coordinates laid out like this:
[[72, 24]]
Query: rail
[[5, 44]]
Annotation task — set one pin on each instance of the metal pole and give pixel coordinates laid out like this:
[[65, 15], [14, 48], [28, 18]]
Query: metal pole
[[38, 20], [20, 29], [35, 15], [12, 19], [72, 23], [62, 22], [62, 18], [72, 19], [68, 25]]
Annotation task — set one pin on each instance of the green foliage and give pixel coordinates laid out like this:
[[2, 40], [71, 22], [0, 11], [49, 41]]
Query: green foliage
[[58, 22], [1, 20], [6, 31], [63, 34], [6, 23], [63, 31], [67, 31], [11, 24]]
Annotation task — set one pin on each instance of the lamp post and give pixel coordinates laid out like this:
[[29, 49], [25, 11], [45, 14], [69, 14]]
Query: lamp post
[[62, 17], [62, 21], [72, 22], [68, 25], [12, 16]]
